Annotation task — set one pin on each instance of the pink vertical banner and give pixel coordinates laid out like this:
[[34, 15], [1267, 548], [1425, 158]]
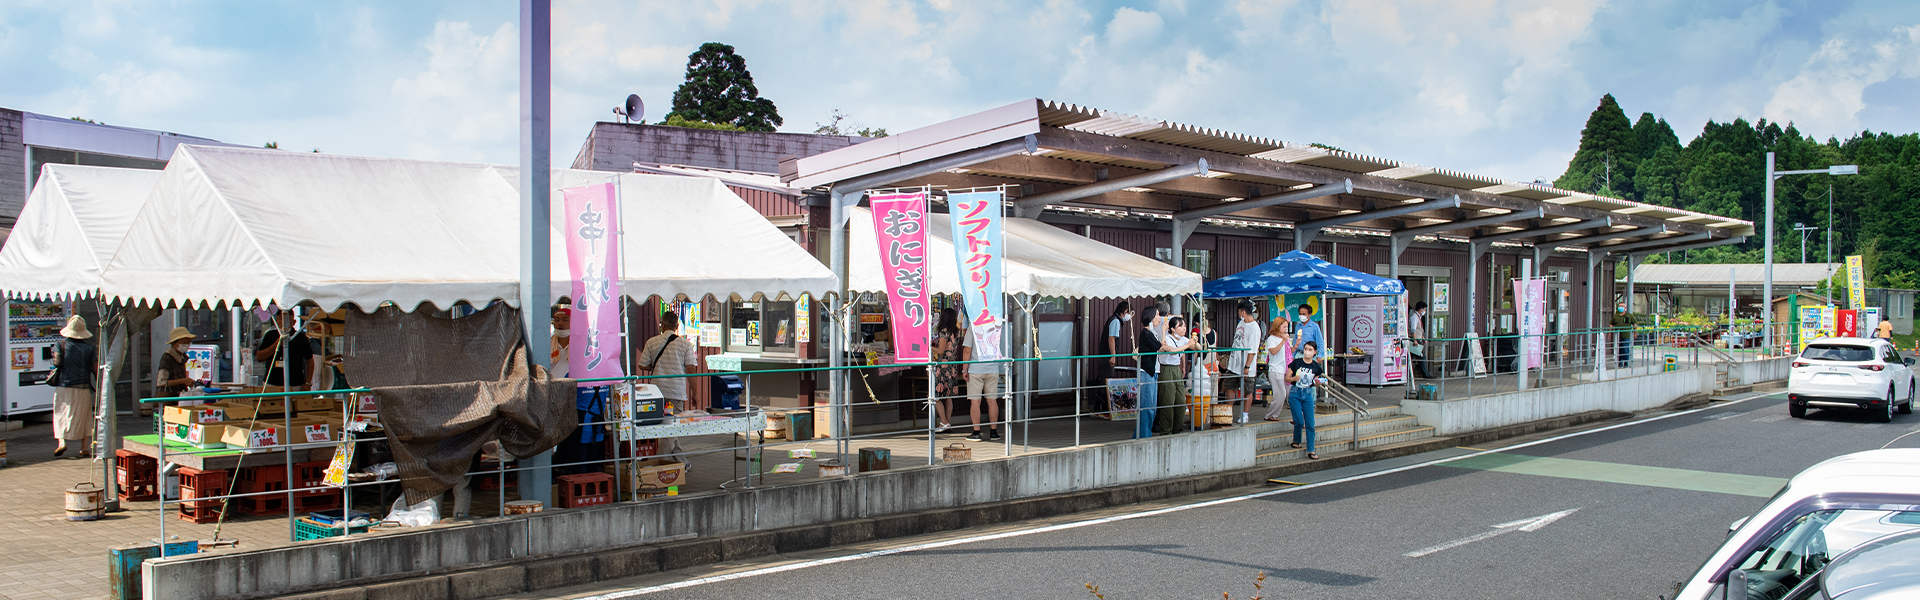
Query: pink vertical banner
[[900, 226], [1532, 293], [593, 261]]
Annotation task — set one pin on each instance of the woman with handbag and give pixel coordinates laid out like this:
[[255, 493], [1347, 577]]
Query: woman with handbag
[[1279, 347], [72, 380]]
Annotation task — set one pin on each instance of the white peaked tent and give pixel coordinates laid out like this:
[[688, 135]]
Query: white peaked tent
[[1040, 259], [69, 228], [250, 226]]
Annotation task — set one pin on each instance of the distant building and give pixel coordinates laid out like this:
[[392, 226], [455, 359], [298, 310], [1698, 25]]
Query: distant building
[[1671, 289], [28, 140]]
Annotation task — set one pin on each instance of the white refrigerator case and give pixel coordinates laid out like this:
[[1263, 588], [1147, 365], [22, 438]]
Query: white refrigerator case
[[31, 331], [1377, 325]]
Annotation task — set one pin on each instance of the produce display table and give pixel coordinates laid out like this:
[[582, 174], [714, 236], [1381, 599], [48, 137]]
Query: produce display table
[[208, 460]]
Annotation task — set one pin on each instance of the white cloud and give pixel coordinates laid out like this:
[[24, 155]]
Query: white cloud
[[464, 104], [1129, 26], [1826, 98]]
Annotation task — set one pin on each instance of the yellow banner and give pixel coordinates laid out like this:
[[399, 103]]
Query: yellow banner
[[1856, 282]]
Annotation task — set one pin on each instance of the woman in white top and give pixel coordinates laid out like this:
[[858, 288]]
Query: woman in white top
[[1173, 392], [1279, 347]]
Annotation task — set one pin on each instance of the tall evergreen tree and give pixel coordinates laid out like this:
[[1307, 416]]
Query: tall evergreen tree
[[719, 89], [1608, 152]]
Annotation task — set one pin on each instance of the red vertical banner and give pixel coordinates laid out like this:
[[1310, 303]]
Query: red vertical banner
[[593, 260], [900, 226]]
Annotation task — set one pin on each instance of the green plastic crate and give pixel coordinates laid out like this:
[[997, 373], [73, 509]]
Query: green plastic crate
[[307, 529]]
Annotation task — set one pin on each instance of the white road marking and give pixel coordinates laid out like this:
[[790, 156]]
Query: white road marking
[[1527, 525], [1773, 418], [1150, 513], [1726, 415]]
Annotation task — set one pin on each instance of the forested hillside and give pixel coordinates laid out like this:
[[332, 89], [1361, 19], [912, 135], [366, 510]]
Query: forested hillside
[[1875, 213]]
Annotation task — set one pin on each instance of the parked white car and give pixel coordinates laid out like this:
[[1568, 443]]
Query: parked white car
[[1823, 512], [1851, 373]]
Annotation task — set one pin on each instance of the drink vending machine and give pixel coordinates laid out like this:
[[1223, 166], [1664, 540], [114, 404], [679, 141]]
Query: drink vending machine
[[32, 330]]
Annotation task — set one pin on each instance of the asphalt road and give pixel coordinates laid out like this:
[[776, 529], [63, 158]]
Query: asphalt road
[[1648, 502]]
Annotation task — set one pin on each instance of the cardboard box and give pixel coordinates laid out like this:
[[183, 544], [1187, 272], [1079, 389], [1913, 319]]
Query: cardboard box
[[367, 404], [205, 436], [184, 415], [243, 408], [311, 430], [661, 472], [315, 404], [260, 435]]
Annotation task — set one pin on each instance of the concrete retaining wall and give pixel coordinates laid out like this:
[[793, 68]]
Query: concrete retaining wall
[[442, 549], [1624, 394], [1764, 370]]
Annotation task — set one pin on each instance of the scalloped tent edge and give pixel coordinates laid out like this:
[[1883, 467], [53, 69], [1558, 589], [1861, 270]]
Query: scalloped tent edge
[[68, 230], [251, 227], [1040, 259]]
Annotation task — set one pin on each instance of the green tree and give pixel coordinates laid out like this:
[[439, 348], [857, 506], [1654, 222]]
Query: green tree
[[837, 124], [719, 89], [1608, 152]]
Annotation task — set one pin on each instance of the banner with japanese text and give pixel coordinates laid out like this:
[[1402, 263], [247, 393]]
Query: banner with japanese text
[[593, 260], [977, 241], [900, 226], [1856, 282], [1532, 293]]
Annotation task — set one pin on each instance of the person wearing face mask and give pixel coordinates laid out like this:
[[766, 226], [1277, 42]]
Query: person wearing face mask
[[1173, 392], [1623, 327], [1116, 332], [1305, 374], [1307, 330], [171, 379], [557, 353]]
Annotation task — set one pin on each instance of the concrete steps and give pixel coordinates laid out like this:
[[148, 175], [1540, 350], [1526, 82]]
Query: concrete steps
[[1335, 433]]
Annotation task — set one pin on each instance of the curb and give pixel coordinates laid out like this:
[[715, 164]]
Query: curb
[[605, 564]]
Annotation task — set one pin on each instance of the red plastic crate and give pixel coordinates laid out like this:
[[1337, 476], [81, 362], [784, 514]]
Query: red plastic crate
[[137, 476], [195, 484], [316, 502], [262, 506], [586, 489], [309, 475]]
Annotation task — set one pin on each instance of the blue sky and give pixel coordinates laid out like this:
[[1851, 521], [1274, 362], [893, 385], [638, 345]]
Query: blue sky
[[1485, 86]]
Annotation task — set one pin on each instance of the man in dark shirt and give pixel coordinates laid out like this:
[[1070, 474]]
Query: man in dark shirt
[[1147, 346], [298, 353]]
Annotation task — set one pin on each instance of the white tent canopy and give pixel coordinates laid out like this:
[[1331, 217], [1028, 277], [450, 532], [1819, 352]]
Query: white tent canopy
[[250, 226], [69, 228], [1040, 259]]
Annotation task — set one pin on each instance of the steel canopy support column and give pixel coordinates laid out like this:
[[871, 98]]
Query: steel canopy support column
[[1395, 246], [1599, 340], [1303, 236], [1182, 229], [837, 380], [1474, 251], [536, 134]]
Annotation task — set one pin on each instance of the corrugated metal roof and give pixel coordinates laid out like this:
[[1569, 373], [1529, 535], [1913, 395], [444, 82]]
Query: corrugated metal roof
[[1104, 122], [1784, 274]]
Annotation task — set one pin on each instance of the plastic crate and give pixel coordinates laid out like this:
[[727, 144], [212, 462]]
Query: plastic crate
[[309, 475], [307, 529], [323, 501], [586, 489], [332, 517], [199, 491], [137, 476], [262, 506]]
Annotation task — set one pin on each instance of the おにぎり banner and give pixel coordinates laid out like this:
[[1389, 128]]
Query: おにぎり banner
[[593, 259], [977, 239], [900, 227]]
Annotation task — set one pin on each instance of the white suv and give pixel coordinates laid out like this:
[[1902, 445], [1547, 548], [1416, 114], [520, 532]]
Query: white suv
[[1864, 374], [1823, 512]]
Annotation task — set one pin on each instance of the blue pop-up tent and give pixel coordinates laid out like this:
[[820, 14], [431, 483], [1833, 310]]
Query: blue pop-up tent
[[1297, 272]]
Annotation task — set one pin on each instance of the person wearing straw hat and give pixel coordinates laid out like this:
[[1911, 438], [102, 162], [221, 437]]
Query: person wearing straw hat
[[75, 361], [171, 380]]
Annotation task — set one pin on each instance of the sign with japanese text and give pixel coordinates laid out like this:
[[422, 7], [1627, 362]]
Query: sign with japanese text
[[593, 259], [900, 226], [1856, 282], [803, 319], [1532, 293], [977, 241], [200, 361]]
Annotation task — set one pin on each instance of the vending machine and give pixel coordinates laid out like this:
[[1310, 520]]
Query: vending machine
[[32, 330], [1377, 327]]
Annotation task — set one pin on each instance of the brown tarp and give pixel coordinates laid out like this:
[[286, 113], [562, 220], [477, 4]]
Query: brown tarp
[[446, 386]]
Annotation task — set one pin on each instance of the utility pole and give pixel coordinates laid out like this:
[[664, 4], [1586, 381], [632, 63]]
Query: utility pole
[[1803, 229]]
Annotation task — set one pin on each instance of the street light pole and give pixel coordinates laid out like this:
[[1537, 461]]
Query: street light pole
[[1803, 229], [1766, 289]]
